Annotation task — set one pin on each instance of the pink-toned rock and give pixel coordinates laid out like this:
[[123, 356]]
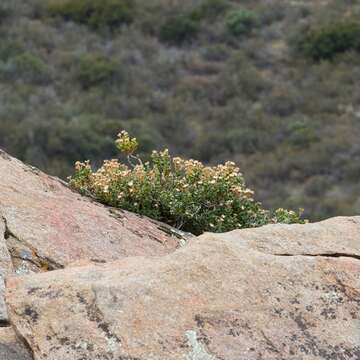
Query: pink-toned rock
[[5, 269], [224, 296], [324, 238], [48, 226], [11, 347]]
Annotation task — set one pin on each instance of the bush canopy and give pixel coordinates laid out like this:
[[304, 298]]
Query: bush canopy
[[94, 13], [328, 41], [182, 193]]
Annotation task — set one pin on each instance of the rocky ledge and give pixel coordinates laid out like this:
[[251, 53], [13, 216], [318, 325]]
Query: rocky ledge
[[83, 281]]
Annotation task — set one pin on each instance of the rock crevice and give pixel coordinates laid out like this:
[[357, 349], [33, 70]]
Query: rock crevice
[[324, 255], [25, 258]]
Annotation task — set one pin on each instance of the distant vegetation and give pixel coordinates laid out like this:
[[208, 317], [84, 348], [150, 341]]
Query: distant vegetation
[[97, 70], [272, 86], [328, 41], [241, 22], [96, 14], [179, 29], [182, 193]]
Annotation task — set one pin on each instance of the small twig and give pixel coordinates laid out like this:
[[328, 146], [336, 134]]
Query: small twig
[[131, 156]]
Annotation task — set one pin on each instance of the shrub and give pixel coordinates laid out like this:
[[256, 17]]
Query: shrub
[[94, 13], [241, 22], [10, 49], [183, 193], [301, 134], [4, 12], [30, 68], [272, 12], [96, 70], [328, 41], [211, 9], [216, 53], [242, 141], [179, 29]]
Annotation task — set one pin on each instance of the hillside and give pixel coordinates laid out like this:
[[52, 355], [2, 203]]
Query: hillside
[[211, 79]]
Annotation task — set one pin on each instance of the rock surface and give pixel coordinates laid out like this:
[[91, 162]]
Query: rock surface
[[11, 348], [278, 292], [334, 237], [48, 226], [5, 269]]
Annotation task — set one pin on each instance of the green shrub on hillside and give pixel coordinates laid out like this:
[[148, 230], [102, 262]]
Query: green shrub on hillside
[[211, 9], [96, 70], [10, 49], [183, 193], [30, 68], [179, 29], [183, 28], [4, 12], [241, 22], [300, 133], [94, 13], [328, 41]]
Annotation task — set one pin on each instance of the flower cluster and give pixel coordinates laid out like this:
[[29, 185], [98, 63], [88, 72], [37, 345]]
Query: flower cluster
[[183, 193], [126, 144]]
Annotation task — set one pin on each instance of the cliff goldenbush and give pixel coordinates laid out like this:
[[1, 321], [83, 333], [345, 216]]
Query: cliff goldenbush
[[326, 42], [241, 22], [183, 193], [94, 13]]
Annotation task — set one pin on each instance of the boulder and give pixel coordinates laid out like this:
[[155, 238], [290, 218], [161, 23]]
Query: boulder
[[11, 348], [334, 237], [48, 226], [278, 292], [45, 226]]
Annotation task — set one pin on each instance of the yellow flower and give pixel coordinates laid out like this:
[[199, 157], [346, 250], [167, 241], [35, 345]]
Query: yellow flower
[[126, 144]]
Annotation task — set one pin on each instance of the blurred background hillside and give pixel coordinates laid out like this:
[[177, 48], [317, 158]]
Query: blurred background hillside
[[273, 85]]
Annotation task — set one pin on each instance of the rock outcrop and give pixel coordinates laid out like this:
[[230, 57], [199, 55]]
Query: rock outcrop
[[251, 294], [11, 348], [45, 226], [127, 290], [49, 226]]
